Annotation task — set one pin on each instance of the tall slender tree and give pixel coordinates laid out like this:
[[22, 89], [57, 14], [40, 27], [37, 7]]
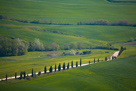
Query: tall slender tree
[[32, 73], [24, 74], [64, 66], [89, 61], [98, 59], [45, 70], [6, 77], [94, 60], [76, 64], [55, 67], [60, 67], [50, 69], [105, 58], [72, 64], [80, 61], [68, 66]]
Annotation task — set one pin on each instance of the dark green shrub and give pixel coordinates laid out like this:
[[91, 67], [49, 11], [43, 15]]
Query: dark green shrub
[[39, 73]]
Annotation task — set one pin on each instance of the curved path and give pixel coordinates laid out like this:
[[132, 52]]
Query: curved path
[[115, 55]]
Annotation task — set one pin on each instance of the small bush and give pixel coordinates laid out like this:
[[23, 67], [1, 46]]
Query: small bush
[[39, 73]]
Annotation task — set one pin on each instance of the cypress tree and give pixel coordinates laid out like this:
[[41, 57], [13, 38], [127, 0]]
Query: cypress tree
[[80, 61], [15, 75], [89, 61], [32, 73], [98, 59], [105, 58], [55, 67], [60, 67], [94, 60], [20, 75], [6, 77], [50, 70], [63, 66], [24, 74], [45, 70], [68, 66], [76, 64], [72, 64]]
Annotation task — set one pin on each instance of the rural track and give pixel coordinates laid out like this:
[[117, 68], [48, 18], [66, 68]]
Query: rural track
[[115, 55]]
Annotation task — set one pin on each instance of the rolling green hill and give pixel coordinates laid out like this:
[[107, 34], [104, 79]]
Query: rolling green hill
[[66, 34], [118, 74], [38, 60]]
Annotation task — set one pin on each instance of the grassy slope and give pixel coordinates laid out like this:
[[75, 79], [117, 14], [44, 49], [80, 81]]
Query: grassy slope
[[116, 75], [38, 60], [94, 35], [71, 11]]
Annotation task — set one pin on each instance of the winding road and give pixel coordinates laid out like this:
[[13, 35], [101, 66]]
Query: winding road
[[114, 55]]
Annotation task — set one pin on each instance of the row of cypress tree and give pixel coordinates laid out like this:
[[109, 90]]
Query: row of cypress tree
[[51, 68]]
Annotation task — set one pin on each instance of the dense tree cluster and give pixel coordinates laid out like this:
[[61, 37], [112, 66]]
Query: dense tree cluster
[[122, 23], [36, 46], [94, 22], [12, 47], [106, 22]]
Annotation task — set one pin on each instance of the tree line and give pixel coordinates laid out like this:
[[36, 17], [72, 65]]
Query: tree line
[[36, 21], [122, 22], [16, 47]]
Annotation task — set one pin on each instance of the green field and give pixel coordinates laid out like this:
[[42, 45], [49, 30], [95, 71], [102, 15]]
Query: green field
[[38, 60], [71, 11], [116, 75], [88, 35]]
